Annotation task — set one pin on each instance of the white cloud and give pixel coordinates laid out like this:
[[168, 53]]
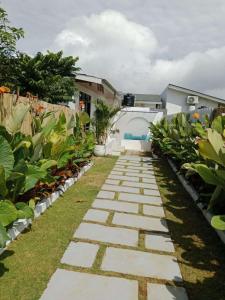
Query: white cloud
[[112, 46]]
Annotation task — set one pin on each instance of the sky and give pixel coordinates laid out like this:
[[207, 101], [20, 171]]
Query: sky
[[138, 45]]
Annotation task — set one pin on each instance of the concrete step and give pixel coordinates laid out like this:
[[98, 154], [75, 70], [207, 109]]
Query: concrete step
[[115, 153]]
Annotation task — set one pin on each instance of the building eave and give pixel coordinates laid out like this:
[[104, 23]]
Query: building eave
[[97, 80], [195, 93]]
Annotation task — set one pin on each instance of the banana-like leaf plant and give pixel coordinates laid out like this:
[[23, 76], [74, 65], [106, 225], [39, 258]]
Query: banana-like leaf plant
[[212, 150]]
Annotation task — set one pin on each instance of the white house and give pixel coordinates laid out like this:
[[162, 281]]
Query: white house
[[179, 99]]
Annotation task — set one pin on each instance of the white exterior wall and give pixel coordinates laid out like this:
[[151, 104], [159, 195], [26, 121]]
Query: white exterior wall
[[176, 102], [134, 120]]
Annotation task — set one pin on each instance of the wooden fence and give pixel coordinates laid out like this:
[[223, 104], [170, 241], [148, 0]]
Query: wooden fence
[[8, 101]]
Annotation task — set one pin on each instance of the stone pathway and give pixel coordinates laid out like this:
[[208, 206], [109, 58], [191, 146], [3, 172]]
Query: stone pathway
[[122, 250]]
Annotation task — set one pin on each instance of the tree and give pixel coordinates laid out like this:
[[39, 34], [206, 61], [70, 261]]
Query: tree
[[9, 35], [50, 76]]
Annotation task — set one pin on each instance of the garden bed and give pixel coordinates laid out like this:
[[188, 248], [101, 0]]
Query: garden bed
[[195, 196], [196, 146], [29, 262], [21, 224], [198, 248]]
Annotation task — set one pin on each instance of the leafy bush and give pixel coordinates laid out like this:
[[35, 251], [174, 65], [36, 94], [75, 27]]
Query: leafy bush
[[33, 166], [200, 148], [175, 138]]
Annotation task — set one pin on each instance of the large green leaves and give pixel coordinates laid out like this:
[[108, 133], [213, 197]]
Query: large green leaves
[[218, 222], [212, 148], [176, 138], [6, 156], [209, 175], [14, 122], [24, 211], [33, 175], [8, 213], [3, 187], [218, 124]]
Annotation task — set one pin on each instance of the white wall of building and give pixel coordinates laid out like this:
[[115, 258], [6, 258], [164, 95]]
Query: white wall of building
[[176, 101], [135, 121]]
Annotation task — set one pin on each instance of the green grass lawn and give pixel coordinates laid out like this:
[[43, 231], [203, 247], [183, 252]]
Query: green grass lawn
[[29, 262], [200, 252]]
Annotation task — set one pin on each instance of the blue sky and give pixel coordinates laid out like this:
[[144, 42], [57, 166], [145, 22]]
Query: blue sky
[[139, 46]]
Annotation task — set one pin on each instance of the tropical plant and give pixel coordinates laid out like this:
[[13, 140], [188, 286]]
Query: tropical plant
[[212, 149], [102, 120], [175, 138], [200, 148], [35, 163]]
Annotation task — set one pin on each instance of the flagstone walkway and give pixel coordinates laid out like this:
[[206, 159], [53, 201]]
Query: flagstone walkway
[[122, 250]]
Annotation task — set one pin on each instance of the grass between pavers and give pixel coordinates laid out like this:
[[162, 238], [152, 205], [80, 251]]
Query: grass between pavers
[[199, 251], [29, 262]]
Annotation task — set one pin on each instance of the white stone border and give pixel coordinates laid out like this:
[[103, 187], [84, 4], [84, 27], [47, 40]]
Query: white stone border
[[21, 224], [194, 195]]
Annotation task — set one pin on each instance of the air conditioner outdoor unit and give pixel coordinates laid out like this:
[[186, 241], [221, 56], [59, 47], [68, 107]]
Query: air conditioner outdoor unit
[[191, 100]]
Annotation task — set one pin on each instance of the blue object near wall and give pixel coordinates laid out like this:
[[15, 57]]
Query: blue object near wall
[[130, 136]]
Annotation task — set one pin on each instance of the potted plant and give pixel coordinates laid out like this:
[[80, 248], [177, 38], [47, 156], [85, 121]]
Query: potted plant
[[102, 123]]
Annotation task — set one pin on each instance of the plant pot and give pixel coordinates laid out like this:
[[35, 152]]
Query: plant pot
[[99, 150]]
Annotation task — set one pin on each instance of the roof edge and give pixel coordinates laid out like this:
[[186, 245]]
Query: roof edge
[[180, 88]]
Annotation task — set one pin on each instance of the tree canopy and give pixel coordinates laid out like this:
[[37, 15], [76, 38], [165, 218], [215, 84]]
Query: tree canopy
[[49, 76], [9, 35]]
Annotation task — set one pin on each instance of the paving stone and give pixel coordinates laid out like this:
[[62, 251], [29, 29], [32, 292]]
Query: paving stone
[[71, 285], [80, 254], [165, 292], [119, 188], [116, 205], [151, 192], [122, 177], [139, 175], [126, 170], [141, 222], [140, 198], [96, 215], [156, 211], [130, 157], [149, 180], [148, 159], [106, 195], [116, 172], [159, 242], [125, 164], [114, 235], [141, 263], [112, 181], [141, 185], [139, 168]]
